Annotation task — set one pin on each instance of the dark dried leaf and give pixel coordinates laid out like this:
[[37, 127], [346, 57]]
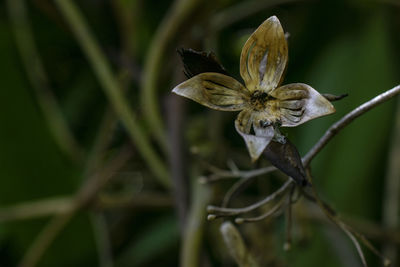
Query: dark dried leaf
[[332, 97], [196, 62], [287, 159]]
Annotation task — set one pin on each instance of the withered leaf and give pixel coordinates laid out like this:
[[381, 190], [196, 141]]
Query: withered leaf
[[196, 62], [287, 159]]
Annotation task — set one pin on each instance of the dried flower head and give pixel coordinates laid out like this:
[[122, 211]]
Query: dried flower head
[[264, 104]]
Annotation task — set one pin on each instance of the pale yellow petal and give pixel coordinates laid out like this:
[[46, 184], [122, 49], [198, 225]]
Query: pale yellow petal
[[264, 56], [300, 103], [214, 90], [244, 120]]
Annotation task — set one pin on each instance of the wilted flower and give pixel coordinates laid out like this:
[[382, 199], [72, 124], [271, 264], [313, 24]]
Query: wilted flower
[[264, 104]]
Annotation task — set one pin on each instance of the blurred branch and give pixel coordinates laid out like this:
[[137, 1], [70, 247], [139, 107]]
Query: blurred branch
[[165, 34], [60, 205], [236, 246], [346, 120], [86, 194], [175, 118], [38, 78], [391, 194], [191, 246], [128, 15], [101, 235], [35, 209], [113, 91]]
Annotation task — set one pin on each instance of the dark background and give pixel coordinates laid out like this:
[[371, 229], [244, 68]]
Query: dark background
[[335, 46]]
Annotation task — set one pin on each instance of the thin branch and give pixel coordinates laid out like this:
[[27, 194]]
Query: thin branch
[[331, 214], [346, 120], [269, 213], [220, 211], [45, 238], [355, 242], [225, 174], [112, 89]]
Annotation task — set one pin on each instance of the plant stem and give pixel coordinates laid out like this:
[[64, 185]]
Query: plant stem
[[112, 89], [347, 119], [166, 33], [102, 238], [191, 247]]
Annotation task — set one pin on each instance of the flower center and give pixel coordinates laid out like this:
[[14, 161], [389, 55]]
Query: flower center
[[259, 100]]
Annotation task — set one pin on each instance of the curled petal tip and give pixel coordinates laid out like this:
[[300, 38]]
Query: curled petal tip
[[175, 91], [273, 18]]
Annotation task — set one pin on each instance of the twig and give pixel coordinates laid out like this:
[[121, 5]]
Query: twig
[[331, 214], [219, 174], [38, 78], [220, 211], [246, 178], [269, 213], [113, 91], [347, 119], [169, 28], [355, 242]]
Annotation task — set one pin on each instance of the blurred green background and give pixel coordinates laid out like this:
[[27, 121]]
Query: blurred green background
[[62, 126]]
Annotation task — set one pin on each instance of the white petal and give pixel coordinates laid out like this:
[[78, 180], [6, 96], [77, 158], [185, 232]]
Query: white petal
[[294, 101], [256, 143]]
